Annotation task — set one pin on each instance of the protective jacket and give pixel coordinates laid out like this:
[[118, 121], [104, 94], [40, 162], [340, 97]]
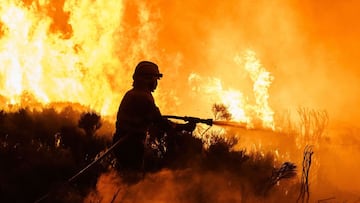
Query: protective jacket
[[136, 114]]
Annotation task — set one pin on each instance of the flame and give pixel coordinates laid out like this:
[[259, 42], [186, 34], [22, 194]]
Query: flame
[[68, 52], [262, 80], [232, 98], [56, 65], [238, 104]]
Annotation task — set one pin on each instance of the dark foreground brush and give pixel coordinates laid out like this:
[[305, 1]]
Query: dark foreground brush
[[286, 171]]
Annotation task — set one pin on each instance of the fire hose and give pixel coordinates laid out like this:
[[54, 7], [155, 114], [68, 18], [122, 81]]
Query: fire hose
[[207, 121], [70, 180]]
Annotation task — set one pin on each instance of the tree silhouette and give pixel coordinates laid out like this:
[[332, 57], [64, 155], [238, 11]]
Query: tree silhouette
[[221, 112]]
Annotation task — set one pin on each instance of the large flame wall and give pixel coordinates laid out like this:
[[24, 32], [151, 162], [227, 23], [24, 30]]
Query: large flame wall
[[62, 51], [84, 51]]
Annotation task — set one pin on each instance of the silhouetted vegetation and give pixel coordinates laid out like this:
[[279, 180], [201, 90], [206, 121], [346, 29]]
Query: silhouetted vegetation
[[221, 112], [40, 150]]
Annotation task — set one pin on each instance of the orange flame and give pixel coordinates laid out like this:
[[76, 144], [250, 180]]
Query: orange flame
[[238, 105], [79, 62], [55, 66]]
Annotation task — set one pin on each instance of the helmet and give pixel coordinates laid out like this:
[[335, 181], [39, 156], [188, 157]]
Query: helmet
[[146, 69]]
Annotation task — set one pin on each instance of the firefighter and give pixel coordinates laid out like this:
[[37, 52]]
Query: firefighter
[[137, 113]]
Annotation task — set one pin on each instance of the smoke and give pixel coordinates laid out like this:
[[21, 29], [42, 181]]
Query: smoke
[[308, 47], [319, 70], [186, 185]]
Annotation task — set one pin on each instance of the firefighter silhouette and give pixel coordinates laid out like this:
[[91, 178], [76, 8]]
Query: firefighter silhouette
[[137, 114]]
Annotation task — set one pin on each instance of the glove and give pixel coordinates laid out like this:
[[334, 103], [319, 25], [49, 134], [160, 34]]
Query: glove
[[189, 127]]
